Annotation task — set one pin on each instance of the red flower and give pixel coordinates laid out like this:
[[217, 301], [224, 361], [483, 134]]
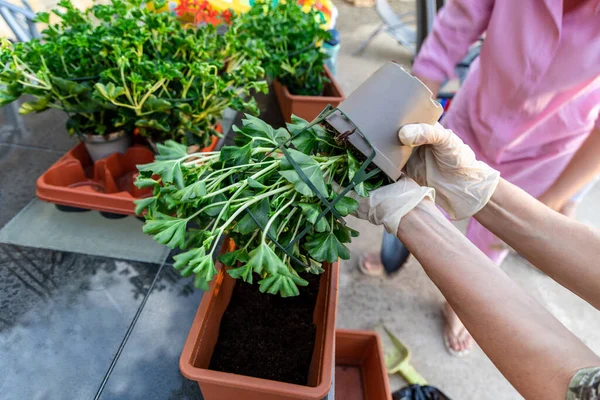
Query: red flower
[[226, 15], [198, 17], [183, 8]]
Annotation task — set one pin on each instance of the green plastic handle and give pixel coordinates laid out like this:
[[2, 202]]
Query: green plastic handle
[[411, 376]]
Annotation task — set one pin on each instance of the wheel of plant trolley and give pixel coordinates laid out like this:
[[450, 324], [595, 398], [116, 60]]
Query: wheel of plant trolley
[[63, 208], [109, 215]]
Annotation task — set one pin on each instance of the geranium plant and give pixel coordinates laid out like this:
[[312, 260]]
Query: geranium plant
[[271, 204], [292, 40], [121, 66]]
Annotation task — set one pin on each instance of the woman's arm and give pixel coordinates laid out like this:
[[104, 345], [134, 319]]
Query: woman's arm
[[457, 26], [582, 169], [537, 354], [563, 248]]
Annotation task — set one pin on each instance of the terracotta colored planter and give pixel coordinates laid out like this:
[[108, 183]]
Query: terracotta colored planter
[[307, 107], [216, 385], [106, 185], [360, 372]]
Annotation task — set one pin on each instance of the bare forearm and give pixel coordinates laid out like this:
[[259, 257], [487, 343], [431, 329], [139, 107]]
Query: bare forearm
[[582, 169], [528, 345], [564, 249]]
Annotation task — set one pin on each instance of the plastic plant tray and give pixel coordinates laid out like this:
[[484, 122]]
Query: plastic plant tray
[[106, 186]]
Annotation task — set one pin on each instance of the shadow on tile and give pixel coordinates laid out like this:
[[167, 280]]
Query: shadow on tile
[[148, 367], [62, 319]]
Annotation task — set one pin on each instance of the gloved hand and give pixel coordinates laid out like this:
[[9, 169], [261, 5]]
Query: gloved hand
[[463, 185], [387, 205]]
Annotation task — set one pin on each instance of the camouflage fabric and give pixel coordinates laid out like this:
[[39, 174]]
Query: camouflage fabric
[[585, 385]]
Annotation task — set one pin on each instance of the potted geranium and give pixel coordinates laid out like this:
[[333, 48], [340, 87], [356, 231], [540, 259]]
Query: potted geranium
[[274, 328], [294, 57], [120, 67]]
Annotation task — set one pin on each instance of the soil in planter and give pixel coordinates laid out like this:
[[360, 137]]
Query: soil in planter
[[267, 336]]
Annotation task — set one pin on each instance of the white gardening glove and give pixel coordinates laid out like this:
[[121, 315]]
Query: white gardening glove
[[387, 205], [463, 185]]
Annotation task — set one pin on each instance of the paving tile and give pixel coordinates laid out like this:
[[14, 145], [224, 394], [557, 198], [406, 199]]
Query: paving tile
[[44, 130], [148, 367], [41, 224], [63, 317], [20, 169]]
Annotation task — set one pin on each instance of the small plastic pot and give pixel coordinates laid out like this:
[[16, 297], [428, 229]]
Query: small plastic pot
[[101, 146], [308, 107], [204, 333], [360, 372]]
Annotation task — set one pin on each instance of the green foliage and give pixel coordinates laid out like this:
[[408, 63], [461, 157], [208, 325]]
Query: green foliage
[[292, 40], [251, 193], [120, 66]]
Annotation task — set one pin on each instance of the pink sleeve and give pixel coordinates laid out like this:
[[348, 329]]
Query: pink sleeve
[[457, 26]]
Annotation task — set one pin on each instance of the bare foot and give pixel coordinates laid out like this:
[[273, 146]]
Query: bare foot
[[458, 340], [370, 264]]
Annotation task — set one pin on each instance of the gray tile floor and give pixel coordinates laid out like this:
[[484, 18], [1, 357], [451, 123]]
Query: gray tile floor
[[89, 306], [64, 317]]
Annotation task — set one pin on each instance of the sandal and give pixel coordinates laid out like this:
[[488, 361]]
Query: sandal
[[448, 333], [373, 259]]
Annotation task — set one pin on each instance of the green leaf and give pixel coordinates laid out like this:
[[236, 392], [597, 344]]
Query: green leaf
[[183, 260], [255, 184], [244, 272], [154, 104], [353, 167], [142, 204], [344, 233], [69, 87], [311, 211], [285, 285], [261, 212], [170, 232], [346, 206], [7, 98], [42, 17], [142, 182], [169, 170], [234, 155], [191, 192], [214, 210], [255, 127], [38, 105], [326, 247], [152, 124], [311, 169], [171, 150], [231, 258], [197, 262], [264, 258], [308, 140], [110, 91]]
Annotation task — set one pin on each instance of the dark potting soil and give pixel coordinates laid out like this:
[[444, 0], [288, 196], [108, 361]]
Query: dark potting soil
[[267, 336]]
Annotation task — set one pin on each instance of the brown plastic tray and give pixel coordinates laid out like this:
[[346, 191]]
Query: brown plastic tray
[[216, 385], [360, 372], [107, 185]]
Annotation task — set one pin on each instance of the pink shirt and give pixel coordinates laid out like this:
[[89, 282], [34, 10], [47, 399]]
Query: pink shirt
[[533, 95]]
